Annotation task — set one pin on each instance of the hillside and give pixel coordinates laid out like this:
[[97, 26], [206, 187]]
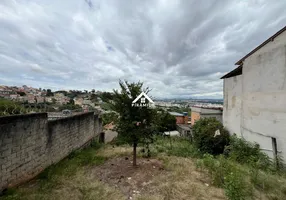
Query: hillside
[[175, 171]]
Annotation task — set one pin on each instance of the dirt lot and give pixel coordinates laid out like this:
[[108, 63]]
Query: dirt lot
[[114, 178], [132, 181]]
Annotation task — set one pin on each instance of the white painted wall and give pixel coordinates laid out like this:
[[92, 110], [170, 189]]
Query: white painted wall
[[263, 106]]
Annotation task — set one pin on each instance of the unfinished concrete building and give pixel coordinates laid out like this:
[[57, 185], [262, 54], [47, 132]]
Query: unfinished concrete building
[[255, 96]]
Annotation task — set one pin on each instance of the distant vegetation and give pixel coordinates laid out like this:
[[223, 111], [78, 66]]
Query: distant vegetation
[[69, 107], [8, 107], [109, 117]]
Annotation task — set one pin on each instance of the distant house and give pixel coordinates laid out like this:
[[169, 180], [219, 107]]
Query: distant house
[[180, 118], [31, 98], [6, 92], [185, 130], [48, 99], [199, 112], [255, 96], [78, 101], [40, 99], [14, 96]]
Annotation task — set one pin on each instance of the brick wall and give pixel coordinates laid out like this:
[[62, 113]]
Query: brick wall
[[30, 143], [179, 119]]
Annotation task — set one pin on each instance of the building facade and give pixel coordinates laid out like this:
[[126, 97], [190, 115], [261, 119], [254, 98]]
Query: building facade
[[255, 96], [180, 118], [205, 112], [185, 130]]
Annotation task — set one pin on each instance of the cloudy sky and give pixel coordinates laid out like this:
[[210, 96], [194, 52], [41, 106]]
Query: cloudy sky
[[177, 48]]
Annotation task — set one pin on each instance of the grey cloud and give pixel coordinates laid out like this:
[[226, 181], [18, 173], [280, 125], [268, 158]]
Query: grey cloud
[[178, 48]]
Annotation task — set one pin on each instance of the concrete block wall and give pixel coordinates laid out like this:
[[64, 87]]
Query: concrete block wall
[[22, 149], [30, 143]]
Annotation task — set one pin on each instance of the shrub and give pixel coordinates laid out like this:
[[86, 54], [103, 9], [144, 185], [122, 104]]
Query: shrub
[[249, 153], [8, 107], [204, 136]]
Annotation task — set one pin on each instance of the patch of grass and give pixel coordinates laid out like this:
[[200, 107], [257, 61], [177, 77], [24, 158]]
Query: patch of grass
[[226, 174], [75, 159], [272, 185], [110, 151], [174, 146], [81, 186], [182, 181], [240, 172], [236, 187], [118, 141]]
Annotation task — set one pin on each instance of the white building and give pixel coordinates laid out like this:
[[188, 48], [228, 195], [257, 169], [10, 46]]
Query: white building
[[255, 96]]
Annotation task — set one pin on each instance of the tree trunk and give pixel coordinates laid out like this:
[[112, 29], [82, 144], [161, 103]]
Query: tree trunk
[[134, 153]]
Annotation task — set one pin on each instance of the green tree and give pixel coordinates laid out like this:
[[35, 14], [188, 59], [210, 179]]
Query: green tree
[[109, 117], [49, 93], [166, 121], [21, 93], [106, 96], [93, 97], [135, 124]]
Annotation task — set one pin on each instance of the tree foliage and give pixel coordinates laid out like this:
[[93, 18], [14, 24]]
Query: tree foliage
[[205, 139], [109, 117], [165, 121], [106, 96], [136, 124], [49, 93], [21, 93], [70, 107]]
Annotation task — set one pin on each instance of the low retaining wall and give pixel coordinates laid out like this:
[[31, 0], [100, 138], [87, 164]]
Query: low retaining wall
[[30, 143]]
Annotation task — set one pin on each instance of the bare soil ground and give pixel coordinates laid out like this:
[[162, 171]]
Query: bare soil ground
[[167, 177], [132, 181]]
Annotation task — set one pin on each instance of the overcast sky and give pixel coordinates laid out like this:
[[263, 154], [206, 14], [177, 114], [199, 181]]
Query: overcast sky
[[177, 48]]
